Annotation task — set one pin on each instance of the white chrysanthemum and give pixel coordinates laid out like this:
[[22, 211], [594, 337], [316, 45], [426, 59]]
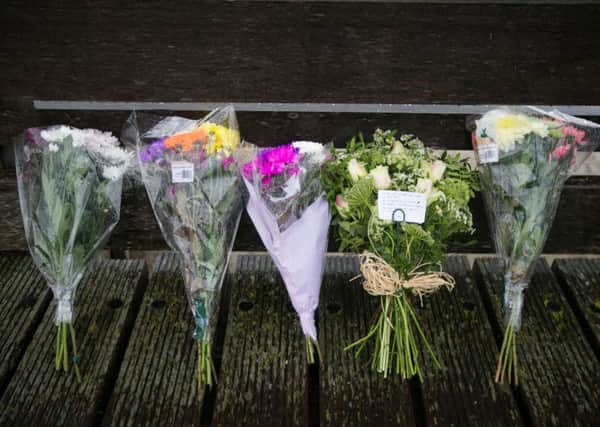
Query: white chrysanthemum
[[507, 129], [317, 151], [111, 154], [94, 139], [53, 147], [56, 133], [114, 172]]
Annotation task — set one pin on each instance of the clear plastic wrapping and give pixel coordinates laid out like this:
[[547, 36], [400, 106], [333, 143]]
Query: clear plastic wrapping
[[70, 184], [525, 156], [194, 187], [287, 206]]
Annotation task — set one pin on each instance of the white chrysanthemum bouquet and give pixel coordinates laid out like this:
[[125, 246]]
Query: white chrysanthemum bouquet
[[525, 155], [70, 184]]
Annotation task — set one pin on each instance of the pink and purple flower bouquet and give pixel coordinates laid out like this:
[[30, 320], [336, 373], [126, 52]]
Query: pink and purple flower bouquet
[[287, 205]]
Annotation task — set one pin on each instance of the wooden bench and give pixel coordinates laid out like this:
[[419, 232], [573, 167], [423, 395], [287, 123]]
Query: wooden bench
[[418, 67]]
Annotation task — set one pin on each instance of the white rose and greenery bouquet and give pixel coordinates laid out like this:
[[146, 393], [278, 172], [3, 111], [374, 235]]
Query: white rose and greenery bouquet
[[70, 183], [525, 156], [397, 203]]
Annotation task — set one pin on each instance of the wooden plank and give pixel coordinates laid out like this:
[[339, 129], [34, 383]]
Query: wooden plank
[[157, 381], [24, 297], [263, 378], [463, 391], [106, 304], [350, 393], [388, 52], [580, 281], [558, 371]]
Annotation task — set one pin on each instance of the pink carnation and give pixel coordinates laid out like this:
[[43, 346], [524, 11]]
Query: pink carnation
[[577, 134], [560, 151]]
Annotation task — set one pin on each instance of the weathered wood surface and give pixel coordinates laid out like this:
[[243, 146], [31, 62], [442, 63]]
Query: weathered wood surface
[[575, 229], [558, 371], [105, 306], [24, 296], [462, 338], [580, 281], [350, 393], [138, 361], [263, 379], [388, 52], [157, 382]]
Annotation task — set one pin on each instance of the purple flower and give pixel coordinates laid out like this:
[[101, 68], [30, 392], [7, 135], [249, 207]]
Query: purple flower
[[227, 161], [154, 151], [33, 136], [271, 162]]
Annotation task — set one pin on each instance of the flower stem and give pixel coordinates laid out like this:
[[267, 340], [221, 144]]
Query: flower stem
[[61, 359], [507, 368], [205, 367], [395, 333], [75, 354], [311, 346]]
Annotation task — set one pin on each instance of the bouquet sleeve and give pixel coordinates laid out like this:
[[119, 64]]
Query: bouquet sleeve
[[70, 183], [292, 218], [195, 191], [525, 156]]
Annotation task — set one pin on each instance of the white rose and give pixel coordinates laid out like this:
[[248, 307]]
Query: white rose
[[424, 186], [381, 177], [437, 170], [341, 205], [53, 147], [356, 170]]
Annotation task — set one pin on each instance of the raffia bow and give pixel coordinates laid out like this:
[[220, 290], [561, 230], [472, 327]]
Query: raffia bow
[[380, 278]]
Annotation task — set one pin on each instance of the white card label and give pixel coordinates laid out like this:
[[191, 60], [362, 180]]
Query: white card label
[[182, 171], [488, 153], [408, 206]]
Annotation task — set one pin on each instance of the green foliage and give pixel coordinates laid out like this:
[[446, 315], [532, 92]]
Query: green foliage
[[405, 246]]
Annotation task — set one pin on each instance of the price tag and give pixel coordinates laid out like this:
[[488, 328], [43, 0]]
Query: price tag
[[182, 171], [488, 153], [413, 205]]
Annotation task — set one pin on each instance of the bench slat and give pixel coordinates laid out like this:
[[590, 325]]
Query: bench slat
[[377, 52], [352, 394], [24, 297], [558, 371], [105, 306], [463, 391], [580, 280], [263, 376], [157, 380]]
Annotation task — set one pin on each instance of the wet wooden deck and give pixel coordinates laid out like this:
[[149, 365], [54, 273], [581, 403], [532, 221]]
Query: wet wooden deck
[[138, 358]]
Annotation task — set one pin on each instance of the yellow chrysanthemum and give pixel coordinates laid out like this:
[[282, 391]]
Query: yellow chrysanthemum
[[220, 138]]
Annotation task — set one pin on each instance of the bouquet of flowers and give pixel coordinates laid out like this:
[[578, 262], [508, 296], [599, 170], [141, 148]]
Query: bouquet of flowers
[[287, 205], [195, 191], [397, 203], [70, 193], [524, 155]]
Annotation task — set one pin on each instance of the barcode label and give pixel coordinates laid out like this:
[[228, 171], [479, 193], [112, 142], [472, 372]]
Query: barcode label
[[182, 171], [488, 153]]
